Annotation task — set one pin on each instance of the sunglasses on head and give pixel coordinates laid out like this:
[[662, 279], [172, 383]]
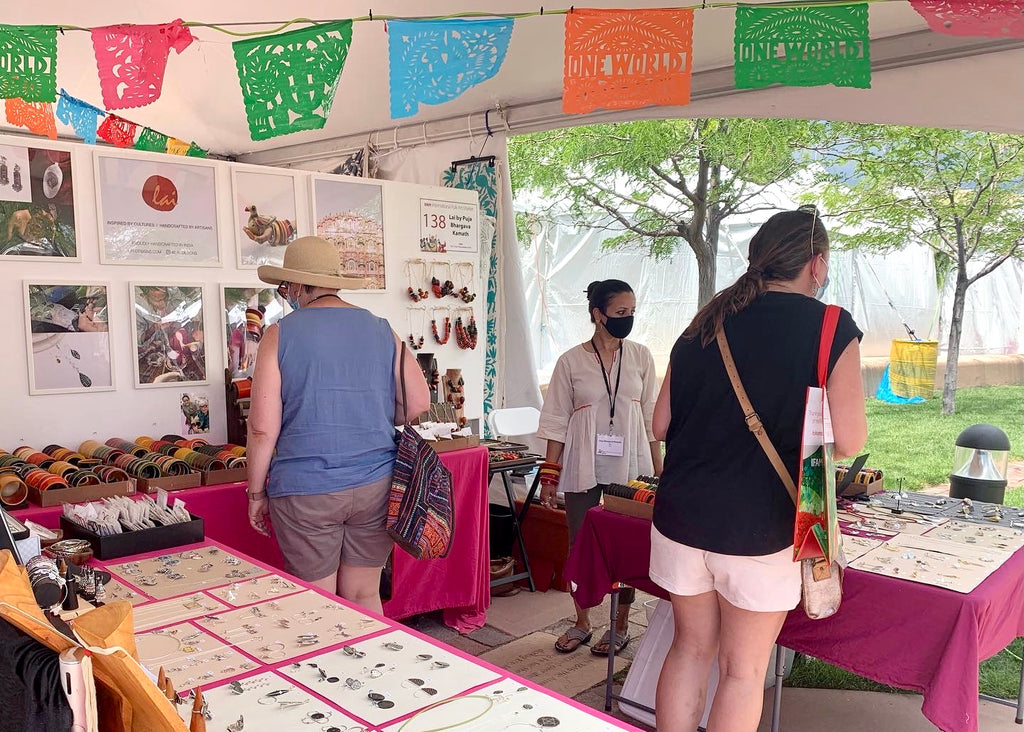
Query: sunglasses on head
[[282, 289]]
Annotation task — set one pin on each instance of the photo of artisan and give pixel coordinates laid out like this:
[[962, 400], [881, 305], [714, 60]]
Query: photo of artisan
[[68, 308], [195, 413], [169, 334]]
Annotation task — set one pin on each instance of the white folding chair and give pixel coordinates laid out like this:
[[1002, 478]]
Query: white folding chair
[[508, 423]]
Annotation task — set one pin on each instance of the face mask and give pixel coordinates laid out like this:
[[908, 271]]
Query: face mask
[[820, 294], [619, 327], [293, 304]]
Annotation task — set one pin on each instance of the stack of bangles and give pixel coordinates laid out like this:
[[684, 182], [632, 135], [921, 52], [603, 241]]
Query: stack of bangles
[[550, 473]]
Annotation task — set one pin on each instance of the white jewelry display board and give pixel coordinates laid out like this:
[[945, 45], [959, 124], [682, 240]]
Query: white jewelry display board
[[506, 705], [164, 612], [292, 626], [180, 573], [952, 565], [191, 657], [405, 672], [257, 701], [257, 589]]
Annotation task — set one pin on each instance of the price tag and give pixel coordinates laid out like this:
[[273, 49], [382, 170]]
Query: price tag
[[161, 498], [610, 445]]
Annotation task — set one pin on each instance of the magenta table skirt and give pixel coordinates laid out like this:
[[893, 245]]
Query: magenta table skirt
[[459, 584], [900, 633]]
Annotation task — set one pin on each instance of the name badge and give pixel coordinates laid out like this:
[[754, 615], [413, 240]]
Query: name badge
[[611, 445]]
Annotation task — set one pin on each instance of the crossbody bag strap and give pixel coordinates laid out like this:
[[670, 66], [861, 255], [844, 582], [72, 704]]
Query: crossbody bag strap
[[401, 370], [828, 335], [752, 419]]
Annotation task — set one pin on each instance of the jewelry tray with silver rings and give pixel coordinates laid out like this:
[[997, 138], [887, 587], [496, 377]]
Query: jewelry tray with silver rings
[[513, 707], [291, 626], [175, 610], [407, 673], [191, 657], [268, 702], [258, 589], [185, 572], [933, 561]]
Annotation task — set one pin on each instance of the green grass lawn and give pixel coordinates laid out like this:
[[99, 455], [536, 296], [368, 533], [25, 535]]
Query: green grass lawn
[[915, 442]]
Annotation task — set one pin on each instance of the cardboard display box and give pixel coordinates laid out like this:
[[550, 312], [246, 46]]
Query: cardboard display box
[[219, 477], [456, 443], [628, 507], [79, 494], [170, 483], [137, 542]]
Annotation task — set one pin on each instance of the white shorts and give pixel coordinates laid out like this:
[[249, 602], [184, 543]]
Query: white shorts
[[769, 583]]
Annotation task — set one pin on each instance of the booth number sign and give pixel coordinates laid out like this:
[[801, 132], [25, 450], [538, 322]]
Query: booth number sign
[[448, 226]]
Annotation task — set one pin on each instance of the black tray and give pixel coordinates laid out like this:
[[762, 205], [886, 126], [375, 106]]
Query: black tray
[[137, 542]]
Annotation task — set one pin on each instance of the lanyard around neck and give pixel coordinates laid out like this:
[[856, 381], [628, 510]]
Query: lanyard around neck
[[612, 398]]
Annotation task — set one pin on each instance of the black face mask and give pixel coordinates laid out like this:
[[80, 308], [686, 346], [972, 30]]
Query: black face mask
[[619, 327]]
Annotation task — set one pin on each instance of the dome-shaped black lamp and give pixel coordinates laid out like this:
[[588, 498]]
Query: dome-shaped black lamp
[[980, 464]]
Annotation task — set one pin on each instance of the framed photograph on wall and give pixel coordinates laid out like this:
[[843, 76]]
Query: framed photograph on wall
[[265, 215], [350, 215], [248, 311], [157, 211], [37, 203], [68, 331], [170, 338]]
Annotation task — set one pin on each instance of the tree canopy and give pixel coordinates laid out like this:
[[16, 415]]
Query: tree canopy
[[663, 183]]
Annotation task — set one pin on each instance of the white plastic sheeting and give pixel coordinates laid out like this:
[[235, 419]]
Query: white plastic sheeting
[[563, 259]]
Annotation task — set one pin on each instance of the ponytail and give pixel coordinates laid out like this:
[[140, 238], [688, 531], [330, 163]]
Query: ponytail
[[734, 298], [778, 252]]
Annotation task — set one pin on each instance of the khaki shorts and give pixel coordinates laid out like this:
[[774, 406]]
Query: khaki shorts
[[318, 533], [769, 583]]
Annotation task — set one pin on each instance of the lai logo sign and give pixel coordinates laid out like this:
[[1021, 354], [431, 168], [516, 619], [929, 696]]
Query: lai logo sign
[[160, 193]]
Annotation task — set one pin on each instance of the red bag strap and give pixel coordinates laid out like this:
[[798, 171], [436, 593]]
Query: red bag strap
[[828, 335]]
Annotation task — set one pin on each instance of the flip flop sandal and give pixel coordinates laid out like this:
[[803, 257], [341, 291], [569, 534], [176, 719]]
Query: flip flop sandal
[[574, 638], [621, 641]]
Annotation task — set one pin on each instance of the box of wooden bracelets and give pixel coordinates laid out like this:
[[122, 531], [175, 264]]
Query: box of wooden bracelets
[[56, 475], [172, 463], [636, 498]]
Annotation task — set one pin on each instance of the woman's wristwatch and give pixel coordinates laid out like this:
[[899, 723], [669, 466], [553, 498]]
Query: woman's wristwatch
[[258, 496]]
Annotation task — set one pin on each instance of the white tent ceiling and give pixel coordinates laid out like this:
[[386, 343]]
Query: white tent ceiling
[[920, 77]]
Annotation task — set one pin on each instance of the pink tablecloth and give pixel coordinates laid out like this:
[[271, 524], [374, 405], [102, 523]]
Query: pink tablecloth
[[459, 585], [901, 633], [461, 582]]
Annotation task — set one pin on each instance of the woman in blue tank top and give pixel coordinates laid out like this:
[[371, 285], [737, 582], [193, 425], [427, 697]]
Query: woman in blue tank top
[[321, 432]]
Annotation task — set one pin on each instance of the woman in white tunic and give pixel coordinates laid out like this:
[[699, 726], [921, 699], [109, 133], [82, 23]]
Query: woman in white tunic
[[597, 422]]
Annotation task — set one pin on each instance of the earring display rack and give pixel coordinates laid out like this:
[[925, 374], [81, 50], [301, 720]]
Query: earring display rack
[[406, 672]]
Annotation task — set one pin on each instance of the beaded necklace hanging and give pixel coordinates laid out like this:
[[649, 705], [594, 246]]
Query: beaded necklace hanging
[[447, 326], [466, 335], [416, 293], [416, 343], [464, 275]]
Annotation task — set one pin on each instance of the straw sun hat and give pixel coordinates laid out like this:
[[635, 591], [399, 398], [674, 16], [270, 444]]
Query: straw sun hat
[[310, 260]]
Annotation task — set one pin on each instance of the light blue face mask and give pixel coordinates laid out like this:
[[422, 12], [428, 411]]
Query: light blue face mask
[[820, 294], [294, 304]]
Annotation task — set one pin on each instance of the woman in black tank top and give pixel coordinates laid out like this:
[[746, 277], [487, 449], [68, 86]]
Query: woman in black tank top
[[722, 533]]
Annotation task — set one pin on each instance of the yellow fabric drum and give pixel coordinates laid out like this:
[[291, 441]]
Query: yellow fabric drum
[[912, 367]]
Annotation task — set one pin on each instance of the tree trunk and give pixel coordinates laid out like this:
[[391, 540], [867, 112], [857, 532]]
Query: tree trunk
[[707, 269], [956, 327]]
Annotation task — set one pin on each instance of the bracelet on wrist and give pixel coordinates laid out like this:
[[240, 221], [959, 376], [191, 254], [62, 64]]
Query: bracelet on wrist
[[256, 496]]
